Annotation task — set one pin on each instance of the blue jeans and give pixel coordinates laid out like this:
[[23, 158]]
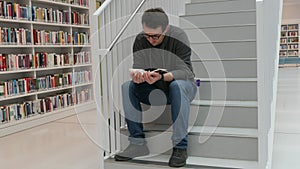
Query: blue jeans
[[179, 96]]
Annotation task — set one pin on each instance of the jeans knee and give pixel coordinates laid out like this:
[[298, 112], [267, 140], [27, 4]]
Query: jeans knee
[[126, 86], [179, 85], [185, 88]]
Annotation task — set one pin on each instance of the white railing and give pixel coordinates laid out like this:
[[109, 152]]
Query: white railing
[[114, 41], [103, 6]]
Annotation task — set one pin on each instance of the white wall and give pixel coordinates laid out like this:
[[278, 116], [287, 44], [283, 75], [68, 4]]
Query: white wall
[[291, 13], [268, 35]]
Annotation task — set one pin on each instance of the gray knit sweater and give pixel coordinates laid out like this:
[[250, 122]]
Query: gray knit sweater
[[173, 54]]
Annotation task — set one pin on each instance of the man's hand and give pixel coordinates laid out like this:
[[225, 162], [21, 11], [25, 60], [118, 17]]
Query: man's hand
[[137, 77], [152, 77]]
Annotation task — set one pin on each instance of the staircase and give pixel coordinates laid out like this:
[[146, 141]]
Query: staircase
[[224, 119]]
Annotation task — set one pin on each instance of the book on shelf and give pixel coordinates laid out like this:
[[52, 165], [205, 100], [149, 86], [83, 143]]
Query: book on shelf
[[3, 62], [80, 2], [289, 41], [81, 77], [45, 37], [18, 111], [50, 15], [8, 10], [84, 95], [80, 38], [82, 58], [17, 11], [18, 86], [13, 62], [292, 26], [4, 114], [79, 18], [2, 89], [19, 36], [14, 10], [1, 9], [54, 81]]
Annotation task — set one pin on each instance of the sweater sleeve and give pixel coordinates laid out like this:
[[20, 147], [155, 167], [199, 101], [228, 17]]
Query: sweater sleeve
[[183, 70], [138, 54]]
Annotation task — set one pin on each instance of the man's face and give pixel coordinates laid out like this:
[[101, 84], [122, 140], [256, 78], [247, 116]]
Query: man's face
[[154, 36]]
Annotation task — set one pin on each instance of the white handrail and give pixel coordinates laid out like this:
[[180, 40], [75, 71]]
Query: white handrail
[[125, 25], [100, 10], [102, 7]]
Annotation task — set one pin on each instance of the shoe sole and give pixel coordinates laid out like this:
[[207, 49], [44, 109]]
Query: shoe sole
[[178, 165], [120, 158]]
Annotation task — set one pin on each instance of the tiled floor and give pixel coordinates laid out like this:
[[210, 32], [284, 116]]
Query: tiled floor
[[287, 130], [70, 144], [63, 144]]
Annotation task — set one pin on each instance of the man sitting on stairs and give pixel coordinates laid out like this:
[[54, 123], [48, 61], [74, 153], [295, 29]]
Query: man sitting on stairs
[[161, 62]]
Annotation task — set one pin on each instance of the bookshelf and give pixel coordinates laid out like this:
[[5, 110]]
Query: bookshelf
[[45, 61], [289, 40]]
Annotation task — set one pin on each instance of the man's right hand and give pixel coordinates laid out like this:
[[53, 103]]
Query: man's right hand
[[138, 77]]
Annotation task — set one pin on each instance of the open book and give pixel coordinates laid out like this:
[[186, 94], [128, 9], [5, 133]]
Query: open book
[[158, 70], [160, 84]]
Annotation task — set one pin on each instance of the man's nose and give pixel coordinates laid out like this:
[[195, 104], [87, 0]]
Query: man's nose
[[151, 40]]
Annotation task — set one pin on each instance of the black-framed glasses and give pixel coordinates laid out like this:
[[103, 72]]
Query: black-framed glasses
[[154, 37]]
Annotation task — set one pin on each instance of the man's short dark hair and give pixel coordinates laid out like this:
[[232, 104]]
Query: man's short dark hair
[[155, 17]]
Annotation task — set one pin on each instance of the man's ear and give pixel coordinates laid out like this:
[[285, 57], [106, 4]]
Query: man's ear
[[166, 30]]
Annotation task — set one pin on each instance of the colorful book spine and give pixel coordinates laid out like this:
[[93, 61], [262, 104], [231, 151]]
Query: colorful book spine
[[13, 10], [80, 2], [11, 62], [18, 36], [45, 37], [19, 111], [83, 57], [50, 15], [80, 38], [79, 18]]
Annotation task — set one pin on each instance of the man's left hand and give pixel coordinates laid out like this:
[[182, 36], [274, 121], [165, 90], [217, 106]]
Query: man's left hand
[[152, 77]]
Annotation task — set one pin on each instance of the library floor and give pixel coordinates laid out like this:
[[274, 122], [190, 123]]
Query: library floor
[[63, 144], [287, 126], [68, 143]]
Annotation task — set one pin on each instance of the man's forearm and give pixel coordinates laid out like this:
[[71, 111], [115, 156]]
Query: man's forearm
[[168, 77]]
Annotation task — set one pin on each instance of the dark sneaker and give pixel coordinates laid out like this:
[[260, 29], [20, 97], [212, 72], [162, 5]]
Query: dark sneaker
[[178, 158], [132, 151]]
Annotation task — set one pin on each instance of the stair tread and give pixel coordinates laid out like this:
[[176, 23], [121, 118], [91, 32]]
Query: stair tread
[[227, 41], [216, 1], [221, 6], [207, 1], [192, 161], [221, 60], [225, 26], [218, 19], [222, 42], [217, 131], [218, 13], [228, 131], [217, 26], [227, 79], [225, 103]]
